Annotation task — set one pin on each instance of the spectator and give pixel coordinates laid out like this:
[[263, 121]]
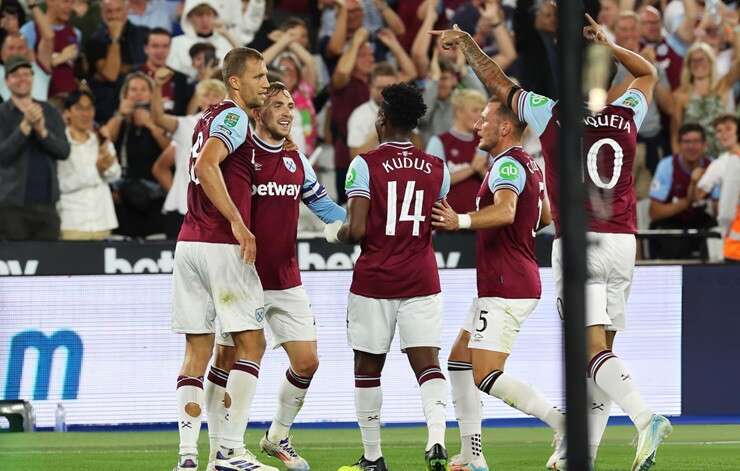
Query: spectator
[[12, 16], [241, 19], [300, 73], [178, 91], [608, 14], [113, 51], [86, 205], [349, 89], [668, 49], [199, 23], [490, 27], [535, 30], [626, 33], [31, 141], [67, 40], [362, 137], [208, 93], [672, 195], [153, 14], [703, 96], [138, 141], [339, 24], [15, 45], [458, 147], [86, 18], [443, 79], [725, 173]]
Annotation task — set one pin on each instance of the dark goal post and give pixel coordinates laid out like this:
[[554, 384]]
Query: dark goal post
[[573, 225]]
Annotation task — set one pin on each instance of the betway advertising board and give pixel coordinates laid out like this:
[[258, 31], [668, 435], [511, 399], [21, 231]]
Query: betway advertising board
[[102, 346]]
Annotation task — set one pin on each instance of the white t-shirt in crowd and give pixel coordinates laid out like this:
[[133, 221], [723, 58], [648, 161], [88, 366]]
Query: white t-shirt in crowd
[[182, 140], [361, 123]]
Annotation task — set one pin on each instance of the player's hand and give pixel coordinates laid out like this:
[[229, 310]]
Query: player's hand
[[450, 38], [331, 231], [444, 217], [247, 242], [594, 32]]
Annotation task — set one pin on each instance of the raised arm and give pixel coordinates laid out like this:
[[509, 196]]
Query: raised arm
[[645, 74], [487, 70], [339, 36], [406, 65], [46, 42], [420, 47], [343, 71], [390, 17], [162, 119], [685, 31]]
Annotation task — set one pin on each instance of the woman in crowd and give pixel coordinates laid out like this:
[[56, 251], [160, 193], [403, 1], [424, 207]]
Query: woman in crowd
[[208, 93], [85, 203], [703, 96], [138, 141]]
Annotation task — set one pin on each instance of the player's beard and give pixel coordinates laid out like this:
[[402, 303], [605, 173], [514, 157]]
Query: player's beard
[[277, 132]]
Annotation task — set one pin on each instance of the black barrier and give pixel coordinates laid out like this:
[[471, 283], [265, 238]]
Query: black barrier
[[709, 340], [125, 257]]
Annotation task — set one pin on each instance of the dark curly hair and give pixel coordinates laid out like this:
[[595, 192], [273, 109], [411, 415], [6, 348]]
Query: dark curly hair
[[403, 106]]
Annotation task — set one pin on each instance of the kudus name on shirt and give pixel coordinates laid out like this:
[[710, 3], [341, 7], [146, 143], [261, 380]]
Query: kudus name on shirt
[[399, 163], [609, 121], [275, 189]]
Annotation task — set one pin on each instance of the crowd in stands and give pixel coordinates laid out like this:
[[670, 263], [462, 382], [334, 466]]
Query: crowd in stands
[[100, 97]]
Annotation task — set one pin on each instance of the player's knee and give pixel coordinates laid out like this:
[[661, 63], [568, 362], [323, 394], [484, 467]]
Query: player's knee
[[306, 367], [192, 409], [225, 357]]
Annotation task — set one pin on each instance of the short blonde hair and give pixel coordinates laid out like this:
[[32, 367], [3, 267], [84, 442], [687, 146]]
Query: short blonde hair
[[467, 97], [210, 85]]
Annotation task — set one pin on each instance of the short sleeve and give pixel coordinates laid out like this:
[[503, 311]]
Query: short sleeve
[[28, 31], [312, 190], [535, 110], [358, 179], [230, 126], [435, 148], [507, 173], [636, 101], [712, 175], [660, 187], [445, 188]]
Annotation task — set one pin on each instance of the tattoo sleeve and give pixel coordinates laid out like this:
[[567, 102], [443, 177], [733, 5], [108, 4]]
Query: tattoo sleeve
[[487, 70]]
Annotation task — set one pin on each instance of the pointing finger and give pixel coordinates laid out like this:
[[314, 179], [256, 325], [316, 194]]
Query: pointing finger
[[591, 20]]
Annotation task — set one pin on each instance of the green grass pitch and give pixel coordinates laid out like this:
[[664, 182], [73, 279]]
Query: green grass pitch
[[690, 448]]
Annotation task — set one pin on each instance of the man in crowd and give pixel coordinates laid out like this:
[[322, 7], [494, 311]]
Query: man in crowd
[[362, 136], [176, 92], [672, 195], [15, 45], [66, 44], [112, 52], [32, 139]]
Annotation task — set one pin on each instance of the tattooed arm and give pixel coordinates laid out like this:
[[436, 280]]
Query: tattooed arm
[[487, 70]]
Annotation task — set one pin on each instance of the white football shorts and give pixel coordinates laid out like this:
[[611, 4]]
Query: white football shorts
[[610, 262], [371, 322], [494, 323], [211, 281], [288, 314]]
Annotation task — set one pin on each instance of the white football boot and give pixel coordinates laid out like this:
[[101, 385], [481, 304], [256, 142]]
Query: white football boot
[[284, 451], [648, 441]]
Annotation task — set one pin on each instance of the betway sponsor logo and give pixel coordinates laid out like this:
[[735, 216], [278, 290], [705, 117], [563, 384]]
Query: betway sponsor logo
[[17, 268], [274, 189], [163, 264], [308, 260]]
